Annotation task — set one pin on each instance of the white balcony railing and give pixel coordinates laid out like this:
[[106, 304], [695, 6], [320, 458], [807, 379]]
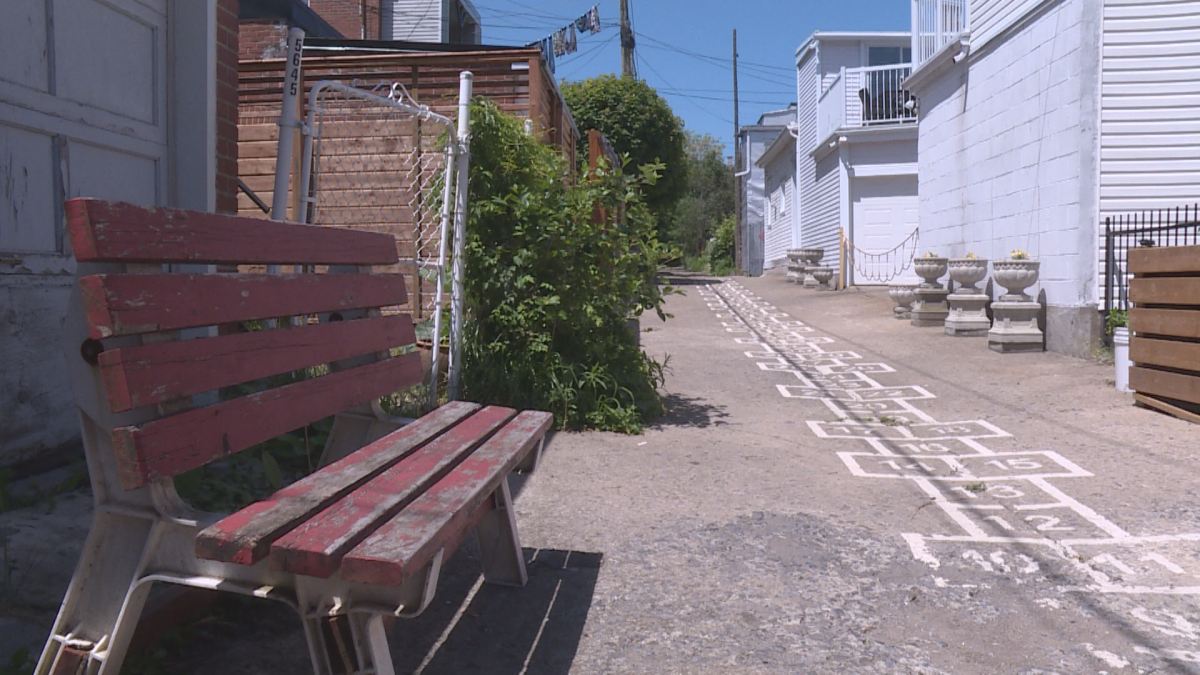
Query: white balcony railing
[[866, 97], [935, 24]]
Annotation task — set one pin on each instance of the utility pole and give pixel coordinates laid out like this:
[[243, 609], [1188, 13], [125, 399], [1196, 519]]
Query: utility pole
[[737, 168], [628, 67]]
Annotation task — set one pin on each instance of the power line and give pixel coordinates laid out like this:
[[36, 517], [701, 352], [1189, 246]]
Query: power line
[[701, 107]]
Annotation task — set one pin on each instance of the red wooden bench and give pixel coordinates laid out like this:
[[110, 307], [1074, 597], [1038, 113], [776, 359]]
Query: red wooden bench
[[360, 539]]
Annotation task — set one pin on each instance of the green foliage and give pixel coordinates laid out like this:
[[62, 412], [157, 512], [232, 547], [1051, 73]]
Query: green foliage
[[549, 289], [720, 248], [1118, 318], [639, 123], [708, 198]]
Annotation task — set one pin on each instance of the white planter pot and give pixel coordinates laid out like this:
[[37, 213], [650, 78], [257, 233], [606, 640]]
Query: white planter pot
[[1121, 358], [1015, 276], [967, 272]]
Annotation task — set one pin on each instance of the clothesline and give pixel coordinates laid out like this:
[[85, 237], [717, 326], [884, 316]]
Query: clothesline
[[564, 40]]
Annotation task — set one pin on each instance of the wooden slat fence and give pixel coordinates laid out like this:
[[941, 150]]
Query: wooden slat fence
[[1165, 322]]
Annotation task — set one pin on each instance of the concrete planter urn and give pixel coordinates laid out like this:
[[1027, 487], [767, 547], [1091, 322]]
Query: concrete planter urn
[[1015, 276], [795, 268], [811, 256], [823, 276], [930, 270], [903, 295], [967, 272], [1015, 325], [968, 305], [929, 307]]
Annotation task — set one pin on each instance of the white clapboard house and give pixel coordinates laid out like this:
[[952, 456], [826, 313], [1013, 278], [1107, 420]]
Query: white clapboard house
[[753, 140], [855, 143], [1041, 117], [442, 21]]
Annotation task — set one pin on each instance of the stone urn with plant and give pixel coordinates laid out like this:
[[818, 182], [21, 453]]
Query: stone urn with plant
[[968, 304], [1015, 315], [929, 306], [811, 256]]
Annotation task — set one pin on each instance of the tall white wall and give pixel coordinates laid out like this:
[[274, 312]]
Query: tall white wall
[[991, 17], [1007, 151], [1150, 95], [808, 86], [780, 190]]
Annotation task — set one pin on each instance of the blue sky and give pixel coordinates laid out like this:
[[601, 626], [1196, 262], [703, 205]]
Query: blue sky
[[684, 49]]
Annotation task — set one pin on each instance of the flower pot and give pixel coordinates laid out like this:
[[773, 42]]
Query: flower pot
[[822, 275], [811, 255], [902, 295], [1015, 276], [930, 269], [967, 272], [1121, 358]]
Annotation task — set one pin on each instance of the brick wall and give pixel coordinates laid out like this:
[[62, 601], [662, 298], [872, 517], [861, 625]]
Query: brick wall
[[262, 40], [354, 19], [227, 105]]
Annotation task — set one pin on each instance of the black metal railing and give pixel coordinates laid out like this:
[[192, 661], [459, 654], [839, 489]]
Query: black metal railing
[[1179, 226]]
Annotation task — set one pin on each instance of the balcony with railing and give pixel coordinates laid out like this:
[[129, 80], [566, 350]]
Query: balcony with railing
[[866, 97], [936, 23]]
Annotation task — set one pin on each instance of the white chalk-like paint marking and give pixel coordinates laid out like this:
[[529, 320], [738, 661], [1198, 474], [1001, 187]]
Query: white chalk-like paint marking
[[1094, 518], [1110, 659], [1182, 655], [1162, 560], [1048, 603], [916, 544]]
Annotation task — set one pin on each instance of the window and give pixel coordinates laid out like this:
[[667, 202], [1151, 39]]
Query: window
[[886, 56]]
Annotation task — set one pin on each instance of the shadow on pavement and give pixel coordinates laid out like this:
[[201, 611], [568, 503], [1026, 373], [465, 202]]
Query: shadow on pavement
[[687, 411], [476, 628]]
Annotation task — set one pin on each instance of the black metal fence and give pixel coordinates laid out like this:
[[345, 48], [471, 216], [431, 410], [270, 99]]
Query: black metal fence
[[1167, 227]]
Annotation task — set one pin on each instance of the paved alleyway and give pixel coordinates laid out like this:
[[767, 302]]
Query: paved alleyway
[[834, 491], [837, 491]]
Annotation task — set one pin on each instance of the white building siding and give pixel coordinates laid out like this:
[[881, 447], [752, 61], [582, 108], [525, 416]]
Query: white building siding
[[837, 55], [781, 181], [416, 20], [1007, 153], [823, 218], [989, 18], [807, 86], [1150, 94]]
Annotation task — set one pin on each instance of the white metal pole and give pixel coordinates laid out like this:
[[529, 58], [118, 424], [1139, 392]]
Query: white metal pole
[[465, 82], [440, 293], [287, 123]]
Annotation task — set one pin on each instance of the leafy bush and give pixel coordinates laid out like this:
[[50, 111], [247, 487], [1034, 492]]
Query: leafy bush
[[549, 289], [639, 123], [720, 248]]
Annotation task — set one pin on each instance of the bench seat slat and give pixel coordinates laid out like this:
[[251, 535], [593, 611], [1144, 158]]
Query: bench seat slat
[[147, 374], [172, 445], [119, 232], [448, 511], [315, 548], [245, 537], [132, 304]]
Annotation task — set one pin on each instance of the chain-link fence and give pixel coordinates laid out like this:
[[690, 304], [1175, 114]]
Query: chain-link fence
[[378, 161]]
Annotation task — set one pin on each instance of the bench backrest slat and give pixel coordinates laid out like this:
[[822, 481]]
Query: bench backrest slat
[[172, 445], [132, 304], [117, 232], [153, 373], [138, 314]]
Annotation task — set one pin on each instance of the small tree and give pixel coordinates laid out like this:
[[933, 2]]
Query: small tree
[[549, 289], [639, 123], [708, 198]]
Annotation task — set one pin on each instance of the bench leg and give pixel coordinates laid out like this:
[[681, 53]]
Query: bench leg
[[349, 643], [531, 460], [503, 561], [104, 600]]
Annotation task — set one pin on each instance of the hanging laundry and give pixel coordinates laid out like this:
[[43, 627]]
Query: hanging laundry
[[560, 42], [594, 15], [584, 22], [572, 44]]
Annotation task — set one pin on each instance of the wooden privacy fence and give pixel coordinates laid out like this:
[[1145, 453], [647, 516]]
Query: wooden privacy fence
[[1165, 322], [515, 79]]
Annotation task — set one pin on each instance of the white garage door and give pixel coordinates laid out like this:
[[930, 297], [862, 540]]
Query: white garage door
[[82, 113], [884, 215]]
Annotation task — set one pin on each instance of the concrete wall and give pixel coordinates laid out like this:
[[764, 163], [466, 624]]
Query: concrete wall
[[1007, 146]]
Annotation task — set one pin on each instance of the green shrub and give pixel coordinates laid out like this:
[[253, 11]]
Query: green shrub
[[720, 248], [549, 291]]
